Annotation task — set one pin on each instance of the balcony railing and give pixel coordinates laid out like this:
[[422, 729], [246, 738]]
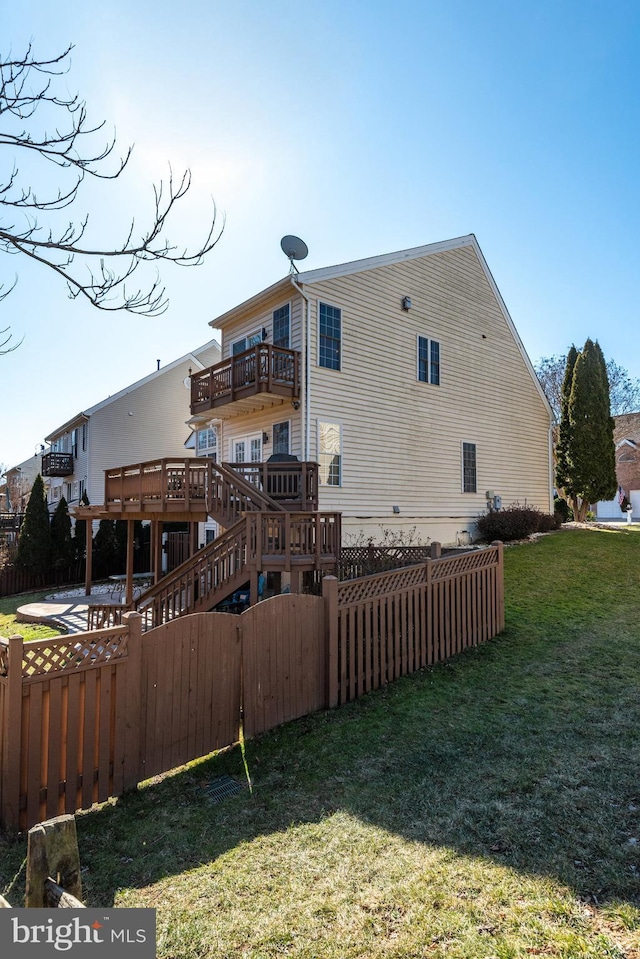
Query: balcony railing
[[57, 464], [165, 485], [263, 370]]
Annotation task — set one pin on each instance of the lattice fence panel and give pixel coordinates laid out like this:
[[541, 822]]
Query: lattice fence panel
[[79, 650], [446, 568], [368, 587]]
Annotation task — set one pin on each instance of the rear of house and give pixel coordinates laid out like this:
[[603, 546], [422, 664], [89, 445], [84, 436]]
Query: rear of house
[[404, 377]]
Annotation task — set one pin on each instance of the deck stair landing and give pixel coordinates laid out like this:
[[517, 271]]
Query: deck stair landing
[[261, 541]]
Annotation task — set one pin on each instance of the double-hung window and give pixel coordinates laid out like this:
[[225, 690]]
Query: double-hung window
[[428, 360], [330, 453], [281, 437], [246, 343], [329, 336], [282, 327], [207, 443], [469, 468]]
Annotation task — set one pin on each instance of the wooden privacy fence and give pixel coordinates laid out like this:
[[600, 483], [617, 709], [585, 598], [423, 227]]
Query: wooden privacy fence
[[88, 716]]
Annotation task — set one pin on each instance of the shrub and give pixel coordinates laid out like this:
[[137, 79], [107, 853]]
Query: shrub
[[562, 510], [514, 522]]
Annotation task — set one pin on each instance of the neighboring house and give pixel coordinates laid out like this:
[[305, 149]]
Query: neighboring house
[[145, 421], [402, 375], [626, 436], [19, 481]]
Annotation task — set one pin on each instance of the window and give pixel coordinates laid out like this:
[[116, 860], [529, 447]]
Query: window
[[469, 478], [74, 443], [281, 437], [428, 361], [246, 343], [329, 336], [281, 327], [207, 442], [84, 436], [330, 453]]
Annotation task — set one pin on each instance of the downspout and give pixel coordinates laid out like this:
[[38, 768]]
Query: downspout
[[306, 379]]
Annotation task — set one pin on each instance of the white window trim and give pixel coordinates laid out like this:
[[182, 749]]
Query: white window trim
[[332, 420], [278, 424], [430, 340], [248, 336], [273, 330], [475, 446], [246, 438], [333, 306]]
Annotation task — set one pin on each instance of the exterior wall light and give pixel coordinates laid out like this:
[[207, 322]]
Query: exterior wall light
[[406, 303]]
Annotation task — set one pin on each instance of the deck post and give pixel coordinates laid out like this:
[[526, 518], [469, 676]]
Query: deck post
[[88, 557], [129, 588]]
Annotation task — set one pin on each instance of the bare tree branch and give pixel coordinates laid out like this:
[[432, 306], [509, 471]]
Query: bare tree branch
[[101, 274]]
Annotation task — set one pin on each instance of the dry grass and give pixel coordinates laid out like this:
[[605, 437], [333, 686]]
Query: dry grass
[[484, 809]]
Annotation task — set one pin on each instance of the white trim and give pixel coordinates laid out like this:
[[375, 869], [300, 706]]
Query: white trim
[[331, 421], [332, 306], [279, 423], [475, 447], [372, 262], [248, 336], [430, 340], [84, 416], [288, 303]]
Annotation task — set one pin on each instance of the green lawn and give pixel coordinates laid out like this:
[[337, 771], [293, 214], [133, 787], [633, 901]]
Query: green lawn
[[484, 809], [9, 626]]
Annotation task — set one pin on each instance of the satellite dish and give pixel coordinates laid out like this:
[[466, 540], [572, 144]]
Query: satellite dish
[[294, 248]]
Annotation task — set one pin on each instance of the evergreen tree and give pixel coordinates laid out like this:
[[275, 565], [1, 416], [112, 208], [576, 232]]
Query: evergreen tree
[[61, 542], [34, 544], [564, 429], [586, 468], [105, 547]]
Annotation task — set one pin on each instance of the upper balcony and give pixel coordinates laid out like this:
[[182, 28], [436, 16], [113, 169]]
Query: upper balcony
[[57, 464], [258, 377]]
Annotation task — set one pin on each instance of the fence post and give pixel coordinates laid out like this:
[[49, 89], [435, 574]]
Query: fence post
[[52, 850], [133, 699], [428, 612], [499, 585], [12, 736], [330, 596], [436, 550]]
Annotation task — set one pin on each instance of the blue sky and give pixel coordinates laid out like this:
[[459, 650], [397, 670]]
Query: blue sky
[[364, 127]]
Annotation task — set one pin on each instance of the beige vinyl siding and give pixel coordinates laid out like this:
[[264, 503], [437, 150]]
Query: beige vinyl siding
[[160, 407], [262, 422], [402, 437], [263, 319]]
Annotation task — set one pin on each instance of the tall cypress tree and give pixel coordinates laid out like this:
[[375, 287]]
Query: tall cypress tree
[[593, 459], [586, 467], [563, 445], [34, 543]]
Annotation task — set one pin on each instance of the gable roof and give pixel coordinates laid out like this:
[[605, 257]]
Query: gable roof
[[372, 263], [82, 417]]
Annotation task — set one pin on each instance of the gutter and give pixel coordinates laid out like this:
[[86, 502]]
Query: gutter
[[306, 379]]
